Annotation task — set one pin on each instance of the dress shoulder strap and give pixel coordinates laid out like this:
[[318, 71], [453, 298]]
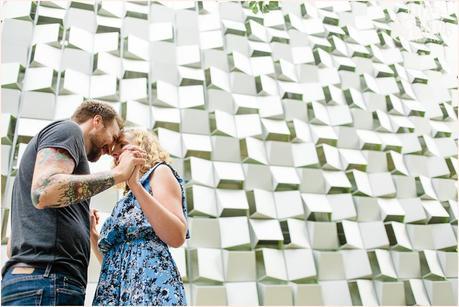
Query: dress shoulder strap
[[150, 171]]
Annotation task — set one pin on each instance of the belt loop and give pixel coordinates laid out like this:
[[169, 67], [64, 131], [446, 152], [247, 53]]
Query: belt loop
[[48, 270]]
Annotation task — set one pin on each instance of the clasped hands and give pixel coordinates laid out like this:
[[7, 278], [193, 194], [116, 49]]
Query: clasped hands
[[130, 162]]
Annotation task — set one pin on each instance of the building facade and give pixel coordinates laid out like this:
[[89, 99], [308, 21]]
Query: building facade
[[318, 141]]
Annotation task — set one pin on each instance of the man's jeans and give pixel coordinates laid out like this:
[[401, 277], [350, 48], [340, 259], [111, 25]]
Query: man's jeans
[[39, 287]]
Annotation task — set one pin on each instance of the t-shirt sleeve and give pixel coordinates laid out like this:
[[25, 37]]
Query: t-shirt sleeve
[[66, 135]]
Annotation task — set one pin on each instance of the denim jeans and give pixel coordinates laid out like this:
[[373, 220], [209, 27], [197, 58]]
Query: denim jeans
[[40, 288]]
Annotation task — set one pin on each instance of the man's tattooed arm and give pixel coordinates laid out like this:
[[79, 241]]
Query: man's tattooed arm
[[53, 186]]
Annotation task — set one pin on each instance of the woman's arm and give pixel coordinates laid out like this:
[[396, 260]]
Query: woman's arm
[[96, 250], [164, 209]]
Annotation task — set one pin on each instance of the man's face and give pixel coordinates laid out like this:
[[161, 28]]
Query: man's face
[[103, 137]]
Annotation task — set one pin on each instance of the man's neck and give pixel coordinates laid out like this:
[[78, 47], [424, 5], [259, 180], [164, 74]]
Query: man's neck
[[85, 128]]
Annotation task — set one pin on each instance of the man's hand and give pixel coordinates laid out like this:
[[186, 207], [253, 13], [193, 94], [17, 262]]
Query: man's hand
[[131, 157], [135, 149]]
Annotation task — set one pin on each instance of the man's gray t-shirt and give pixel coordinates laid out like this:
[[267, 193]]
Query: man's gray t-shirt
[[58, 236]]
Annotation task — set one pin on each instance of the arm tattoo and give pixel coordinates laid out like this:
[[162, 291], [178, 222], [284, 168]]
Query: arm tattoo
[[36, 193], [58, 187], [75, 188], [78, 188], [55, 154]]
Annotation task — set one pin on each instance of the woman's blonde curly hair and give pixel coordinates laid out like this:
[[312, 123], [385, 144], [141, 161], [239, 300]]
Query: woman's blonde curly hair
[[149, 142]]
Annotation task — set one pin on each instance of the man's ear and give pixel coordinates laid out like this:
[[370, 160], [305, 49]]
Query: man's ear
[[97, 121]]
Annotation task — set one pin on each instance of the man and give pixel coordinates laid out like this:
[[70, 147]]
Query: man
[[50, 244]]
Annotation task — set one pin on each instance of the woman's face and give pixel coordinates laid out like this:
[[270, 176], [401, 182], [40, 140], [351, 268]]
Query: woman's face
[[123, 140]]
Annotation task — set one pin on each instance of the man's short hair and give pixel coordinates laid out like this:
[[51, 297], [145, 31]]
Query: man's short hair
[[90, 108]]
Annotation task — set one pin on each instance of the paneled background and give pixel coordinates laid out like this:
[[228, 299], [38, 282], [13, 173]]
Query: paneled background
[[318, 141]]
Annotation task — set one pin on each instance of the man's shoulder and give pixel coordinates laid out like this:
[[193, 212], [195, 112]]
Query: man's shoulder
[[67, 123], [63, 134], [63, 127]]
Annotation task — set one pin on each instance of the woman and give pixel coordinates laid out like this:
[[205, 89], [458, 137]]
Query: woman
[[137, 267]]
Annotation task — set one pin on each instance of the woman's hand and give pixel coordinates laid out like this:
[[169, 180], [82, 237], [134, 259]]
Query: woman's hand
[[133, 181], [94, 234], [94, 219]]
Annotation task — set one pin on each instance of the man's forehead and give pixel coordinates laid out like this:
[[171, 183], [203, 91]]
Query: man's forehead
[[116, 130]]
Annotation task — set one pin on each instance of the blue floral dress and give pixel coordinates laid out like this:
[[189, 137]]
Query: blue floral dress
[[137, 267]]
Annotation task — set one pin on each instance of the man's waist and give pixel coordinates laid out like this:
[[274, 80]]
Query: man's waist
[[30, 265], [52, 268], [45, 270]]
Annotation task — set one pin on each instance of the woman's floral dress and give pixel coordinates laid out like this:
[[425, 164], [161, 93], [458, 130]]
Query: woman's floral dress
[[137, 268]]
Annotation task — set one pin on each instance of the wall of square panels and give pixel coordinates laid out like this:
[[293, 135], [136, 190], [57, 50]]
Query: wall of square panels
[[318, 141]]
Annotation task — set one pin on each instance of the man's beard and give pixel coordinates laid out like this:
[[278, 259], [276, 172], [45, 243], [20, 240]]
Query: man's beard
[[94, 154]]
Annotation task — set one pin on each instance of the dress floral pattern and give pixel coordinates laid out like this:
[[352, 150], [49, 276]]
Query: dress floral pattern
[[137, 268]]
